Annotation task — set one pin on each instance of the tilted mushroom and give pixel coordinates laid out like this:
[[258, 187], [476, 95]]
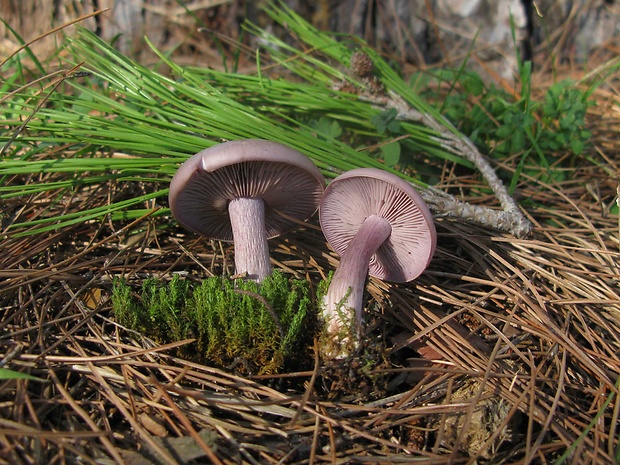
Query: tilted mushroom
[[246, 191], [380, 226]]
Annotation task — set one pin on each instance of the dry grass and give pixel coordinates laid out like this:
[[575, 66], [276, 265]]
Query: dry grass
[[505, 351], [526, 330]]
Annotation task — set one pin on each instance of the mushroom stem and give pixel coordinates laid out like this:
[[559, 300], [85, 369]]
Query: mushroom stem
[[247, 218], [343, 301]]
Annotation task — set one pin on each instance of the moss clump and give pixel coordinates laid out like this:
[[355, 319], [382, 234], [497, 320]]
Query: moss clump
[[257, 328]]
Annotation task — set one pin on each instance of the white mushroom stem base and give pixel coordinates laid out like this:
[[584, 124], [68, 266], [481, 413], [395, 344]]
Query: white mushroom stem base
[[342, 311], [247, 218]]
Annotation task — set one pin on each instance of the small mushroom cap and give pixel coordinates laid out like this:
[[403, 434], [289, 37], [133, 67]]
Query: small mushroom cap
[[357, 194], [289, 183]]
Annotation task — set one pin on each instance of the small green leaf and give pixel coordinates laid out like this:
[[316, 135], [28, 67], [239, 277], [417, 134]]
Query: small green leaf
[[5, 373], [473, 85], [81, 104], [504, 132], [383, 120], [567, 121], [577, 146], [394, 126], [326, 127], [378, 123], [391, 153]]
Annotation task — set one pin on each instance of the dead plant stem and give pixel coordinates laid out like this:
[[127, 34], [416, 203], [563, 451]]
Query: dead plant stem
[[510, 219]]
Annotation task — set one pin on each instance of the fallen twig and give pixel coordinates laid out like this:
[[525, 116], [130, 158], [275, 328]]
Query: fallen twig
[[510, 219]]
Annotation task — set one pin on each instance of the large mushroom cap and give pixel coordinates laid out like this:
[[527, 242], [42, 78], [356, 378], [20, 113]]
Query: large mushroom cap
[[288, 182], [360, 193]]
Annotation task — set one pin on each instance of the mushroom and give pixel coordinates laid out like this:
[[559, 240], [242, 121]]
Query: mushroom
[[246, 191], [380, 226]]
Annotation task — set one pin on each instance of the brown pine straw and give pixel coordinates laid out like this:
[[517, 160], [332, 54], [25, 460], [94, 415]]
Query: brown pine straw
[[530, 324], [525, 330]]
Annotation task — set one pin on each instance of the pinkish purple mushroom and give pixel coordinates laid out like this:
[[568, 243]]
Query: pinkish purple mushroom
[[246, 191], [380, 226]]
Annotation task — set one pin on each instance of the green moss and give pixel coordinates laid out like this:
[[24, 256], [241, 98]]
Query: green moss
[[235, 322]]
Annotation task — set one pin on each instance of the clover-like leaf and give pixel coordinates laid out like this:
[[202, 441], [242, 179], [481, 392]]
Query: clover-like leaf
[[391, 153]]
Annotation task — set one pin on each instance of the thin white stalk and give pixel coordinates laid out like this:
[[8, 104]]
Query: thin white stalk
[[247, 218], [342, 309]]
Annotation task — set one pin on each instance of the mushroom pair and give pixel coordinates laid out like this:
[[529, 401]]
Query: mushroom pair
[[251, 190]]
